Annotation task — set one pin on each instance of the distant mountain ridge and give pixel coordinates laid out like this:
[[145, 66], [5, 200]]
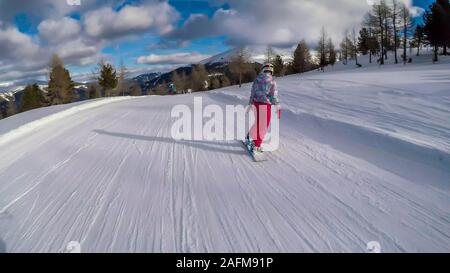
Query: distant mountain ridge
[[214, 64]]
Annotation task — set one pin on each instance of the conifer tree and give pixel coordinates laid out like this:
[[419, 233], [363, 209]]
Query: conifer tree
[[32, 98], [363, 41], [60, 86], [301, 61], [433, 28], [278, 66], [93, 91], [108, 79]]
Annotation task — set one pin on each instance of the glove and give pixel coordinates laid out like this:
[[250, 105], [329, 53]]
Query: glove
[[278, 109]]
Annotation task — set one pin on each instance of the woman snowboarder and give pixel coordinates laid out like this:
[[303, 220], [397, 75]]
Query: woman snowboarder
[[263, 96]]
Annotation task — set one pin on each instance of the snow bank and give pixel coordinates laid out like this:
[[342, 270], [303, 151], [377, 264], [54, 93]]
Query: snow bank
[[404, 158], [33, 125]]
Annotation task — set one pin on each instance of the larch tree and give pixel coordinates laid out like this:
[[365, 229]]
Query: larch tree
[[407, 25], [394, 15], [331, 51], [346, 48], [269, 54], [239, 65], [418, 38], [199, 78], [322, 48], [176, 80], [121, 80], [354, 47], [225, 81]]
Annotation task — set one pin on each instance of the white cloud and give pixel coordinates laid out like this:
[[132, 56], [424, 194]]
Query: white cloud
[[416, 11], [57, 31], [78, 42], [6, 84], [14, 76], [280, 23], [107, 23], [15, 45], [79, 52], [23, 57], [176, 58], [47, 8]]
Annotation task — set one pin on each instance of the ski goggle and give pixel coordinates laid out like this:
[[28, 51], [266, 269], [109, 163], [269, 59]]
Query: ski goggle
[[268, 68]]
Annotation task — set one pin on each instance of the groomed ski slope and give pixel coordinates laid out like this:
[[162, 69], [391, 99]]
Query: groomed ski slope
[[364, 156]]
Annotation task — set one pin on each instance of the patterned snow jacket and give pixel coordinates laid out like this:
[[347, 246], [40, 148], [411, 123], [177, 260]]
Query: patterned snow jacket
[[264, 90]]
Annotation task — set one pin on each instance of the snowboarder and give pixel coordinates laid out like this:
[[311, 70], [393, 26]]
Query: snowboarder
[[172, 89], [263, 96]]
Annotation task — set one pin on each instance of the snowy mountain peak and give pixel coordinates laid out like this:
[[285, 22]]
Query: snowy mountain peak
[[224, 57], [254, 53]]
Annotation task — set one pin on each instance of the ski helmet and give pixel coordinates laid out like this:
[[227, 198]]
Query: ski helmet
[[268, 67]]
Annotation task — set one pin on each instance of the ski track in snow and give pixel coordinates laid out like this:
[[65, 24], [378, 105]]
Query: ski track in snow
[[358, 162]]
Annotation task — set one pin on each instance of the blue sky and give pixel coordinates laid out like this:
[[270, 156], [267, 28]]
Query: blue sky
[[129, 51], [153, 35]]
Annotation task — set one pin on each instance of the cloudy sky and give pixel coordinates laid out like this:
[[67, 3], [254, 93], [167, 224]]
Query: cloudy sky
[[156, 35]]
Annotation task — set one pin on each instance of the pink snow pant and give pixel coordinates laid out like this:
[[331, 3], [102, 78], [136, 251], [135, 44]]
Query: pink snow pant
[[262, 122]]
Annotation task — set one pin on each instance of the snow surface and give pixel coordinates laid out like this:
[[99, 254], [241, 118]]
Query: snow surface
[[364, 156], [30, 122]]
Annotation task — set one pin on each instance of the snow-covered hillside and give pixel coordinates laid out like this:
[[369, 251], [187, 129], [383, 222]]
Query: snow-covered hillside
[[253, 53], [364, 156]]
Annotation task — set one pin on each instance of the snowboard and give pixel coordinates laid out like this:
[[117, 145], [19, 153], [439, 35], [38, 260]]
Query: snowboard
[[259, 157]]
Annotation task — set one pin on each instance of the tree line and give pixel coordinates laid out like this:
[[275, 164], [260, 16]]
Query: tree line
[[238, 70], [107, 82], [387, 27]]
